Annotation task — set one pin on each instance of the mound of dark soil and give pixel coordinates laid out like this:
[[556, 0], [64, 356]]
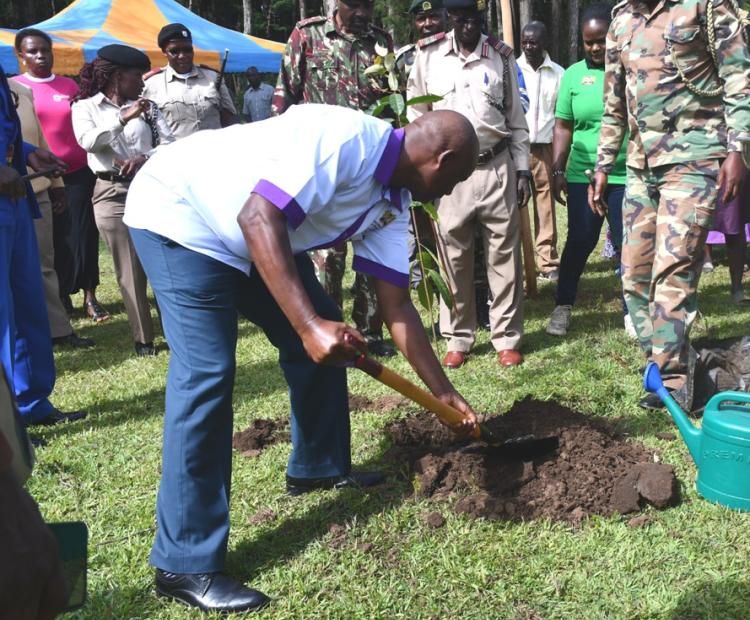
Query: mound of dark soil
[[259, 435], [594, 471]]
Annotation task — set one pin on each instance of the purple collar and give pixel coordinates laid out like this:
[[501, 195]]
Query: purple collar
[[389, 160]]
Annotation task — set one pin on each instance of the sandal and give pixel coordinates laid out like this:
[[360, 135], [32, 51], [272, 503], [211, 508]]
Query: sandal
[[95, 311]]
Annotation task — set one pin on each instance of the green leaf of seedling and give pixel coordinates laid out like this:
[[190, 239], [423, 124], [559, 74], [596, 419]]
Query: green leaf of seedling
[[396, 101], [375, 70], [441, 286], [393, 82], [429, 209], [424, 99], [390, 61], [426, 259], [425, 294], [380, 106]]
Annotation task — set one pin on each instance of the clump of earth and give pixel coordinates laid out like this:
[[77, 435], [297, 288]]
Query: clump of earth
[[593, 471], [259, 435]]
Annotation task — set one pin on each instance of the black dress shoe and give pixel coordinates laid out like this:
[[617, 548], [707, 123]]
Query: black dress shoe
[[58, 417], [144, 349], [380, 348], [651, 402], [73, 340], [209, 592], [355, 480], [37, 442]]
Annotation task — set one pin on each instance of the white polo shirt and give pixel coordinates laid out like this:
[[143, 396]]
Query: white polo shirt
[[325, 167]]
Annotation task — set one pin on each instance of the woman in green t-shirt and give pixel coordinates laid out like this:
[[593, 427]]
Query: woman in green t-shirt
[[580, 106]]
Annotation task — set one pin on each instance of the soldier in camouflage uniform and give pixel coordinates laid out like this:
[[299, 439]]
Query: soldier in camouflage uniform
[[324, 62], [429, 19], [676, 76]]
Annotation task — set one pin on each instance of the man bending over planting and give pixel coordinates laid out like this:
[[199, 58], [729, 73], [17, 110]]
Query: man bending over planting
[[222, 229]]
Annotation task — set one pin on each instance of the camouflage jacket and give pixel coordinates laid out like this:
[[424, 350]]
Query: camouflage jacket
[[323, 65], [645, 91]]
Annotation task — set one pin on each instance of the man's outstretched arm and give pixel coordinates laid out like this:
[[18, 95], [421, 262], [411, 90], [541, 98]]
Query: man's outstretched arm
[[264, 228], [407, 331]]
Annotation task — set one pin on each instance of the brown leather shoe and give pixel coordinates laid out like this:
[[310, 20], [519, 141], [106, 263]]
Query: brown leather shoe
[[454, 359], [510, 357]]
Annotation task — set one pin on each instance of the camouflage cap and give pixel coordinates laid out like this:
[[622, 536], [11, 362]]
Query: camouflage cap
[[422, 6], [477, 5]]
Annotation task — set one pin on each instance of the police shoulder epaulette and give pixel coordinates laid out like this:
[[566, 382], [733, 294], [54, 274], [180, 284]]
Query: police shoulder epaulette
[[403, 50], [311, 21], [422, 43], [499, 46], [152, 73]]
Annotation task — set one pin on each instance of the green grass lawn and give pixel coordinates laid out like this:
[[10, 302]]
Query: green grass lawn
[[690, 562]]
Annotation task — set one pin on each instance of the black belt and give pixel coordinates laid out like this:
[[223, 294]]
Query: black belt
[[485, 157], [112, 176]]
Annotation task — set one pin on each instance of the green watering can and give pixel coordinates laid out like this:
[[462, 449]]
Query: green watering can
[[720, 448]]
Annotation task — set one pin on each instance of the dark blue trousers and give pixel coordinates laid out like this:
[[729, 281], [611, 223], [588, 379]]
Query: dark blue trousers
[[584, 228], [25, 340], [200, 299]]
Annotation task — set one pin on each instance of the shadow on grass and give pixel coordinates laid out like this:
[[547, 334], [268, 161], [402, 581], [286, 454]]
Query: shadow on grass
[[728, 599], [294, 534]]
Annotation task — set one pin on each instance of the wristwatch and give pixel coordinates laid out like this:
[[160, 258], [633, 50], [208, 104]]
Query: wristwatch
[[524, 173]]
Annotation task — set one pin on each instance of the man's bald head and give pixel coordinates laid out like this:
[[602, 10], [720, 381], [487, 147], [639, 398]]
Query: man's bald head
[[440, 151]]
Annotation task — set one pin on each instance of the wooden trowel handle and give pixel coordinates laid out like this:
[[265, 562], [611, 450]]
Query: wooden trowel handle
[[447, 414]]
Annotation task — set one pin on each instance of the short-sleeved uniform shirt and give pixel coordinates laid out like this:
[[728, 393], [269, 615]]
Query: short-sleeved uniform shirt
[[332, 186], [581, 101], [189, 103]]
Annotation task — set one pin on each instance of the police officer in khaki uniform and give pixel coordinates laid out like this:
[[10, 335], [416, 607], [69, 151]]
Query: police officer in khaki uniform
[[429, 19], [476, 75], [186, 93]]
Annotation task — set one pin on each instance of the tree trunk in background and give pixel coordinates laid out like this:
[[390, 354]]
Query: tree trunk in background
[[556, 21], [499, 14], [302, 9], [269, 18], [525, 13], [575, 24], [329, 6], [247, 17]]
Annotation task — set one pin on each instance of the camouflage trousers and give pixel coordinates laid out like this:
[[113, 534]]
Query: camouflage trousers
[[330, 265], [667, 213]]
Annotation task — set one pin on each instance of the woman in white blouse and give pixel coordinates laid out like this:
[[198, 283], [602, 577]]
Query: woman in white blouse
[[119, 130]]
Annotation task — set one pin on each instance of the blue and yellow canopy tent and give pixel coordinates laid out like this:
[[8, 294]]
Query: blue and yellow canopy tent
[[86, 25]]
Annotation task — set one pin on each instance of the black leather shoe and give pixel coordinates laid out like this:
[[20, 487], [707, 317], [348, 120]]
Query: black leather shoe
[[651, 402], [58, 417], [355, 480], [73, 340], [144, 349], [67, 304], [380, 348], [37, 442], [209, 592]]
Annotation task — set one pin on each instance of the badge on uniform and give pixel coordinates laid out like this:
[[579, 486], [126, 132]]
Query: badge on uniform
[[481, 5], [426, 6], [387, 218], [588, 80]]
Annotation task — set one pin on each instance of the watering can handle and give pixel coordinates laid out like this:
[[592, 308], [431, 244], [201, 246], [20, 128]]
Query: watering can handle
[[730, 397]]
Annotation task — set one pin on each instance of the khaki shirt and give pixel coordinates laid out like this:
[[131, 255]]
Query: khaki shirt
[[474, 86], [644, 91], [189, 104], [32, 132]]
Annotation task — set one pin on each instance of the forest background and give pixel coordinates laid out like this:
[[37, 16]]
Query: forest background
[[275, 19]]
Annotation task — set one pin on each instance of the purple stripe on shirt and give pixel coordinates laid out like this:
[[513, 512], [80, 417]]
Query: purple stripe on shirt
[[349, 232], [371, 268], [278, 197], [389, 158]]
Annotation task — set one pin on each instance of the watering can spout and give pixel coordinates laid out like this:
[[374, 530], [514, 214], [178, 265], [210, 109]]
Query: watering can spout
[[652, 382]]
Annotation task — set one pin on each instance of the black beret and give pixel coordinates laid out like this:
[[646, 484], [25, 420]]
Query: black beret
[[422, 6], [173, 32], [477, 5], [125, 56]]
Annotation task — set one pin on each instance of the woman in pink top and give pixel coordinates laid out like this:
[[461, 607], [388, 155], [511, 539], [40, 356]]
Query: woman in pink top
[[76, 235]]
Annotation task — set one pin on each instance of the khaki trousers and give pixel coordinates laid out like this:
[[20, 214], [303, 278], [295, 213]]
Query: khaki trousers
[[109, 206], [545, 224], [59, 323], [486, 202]]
